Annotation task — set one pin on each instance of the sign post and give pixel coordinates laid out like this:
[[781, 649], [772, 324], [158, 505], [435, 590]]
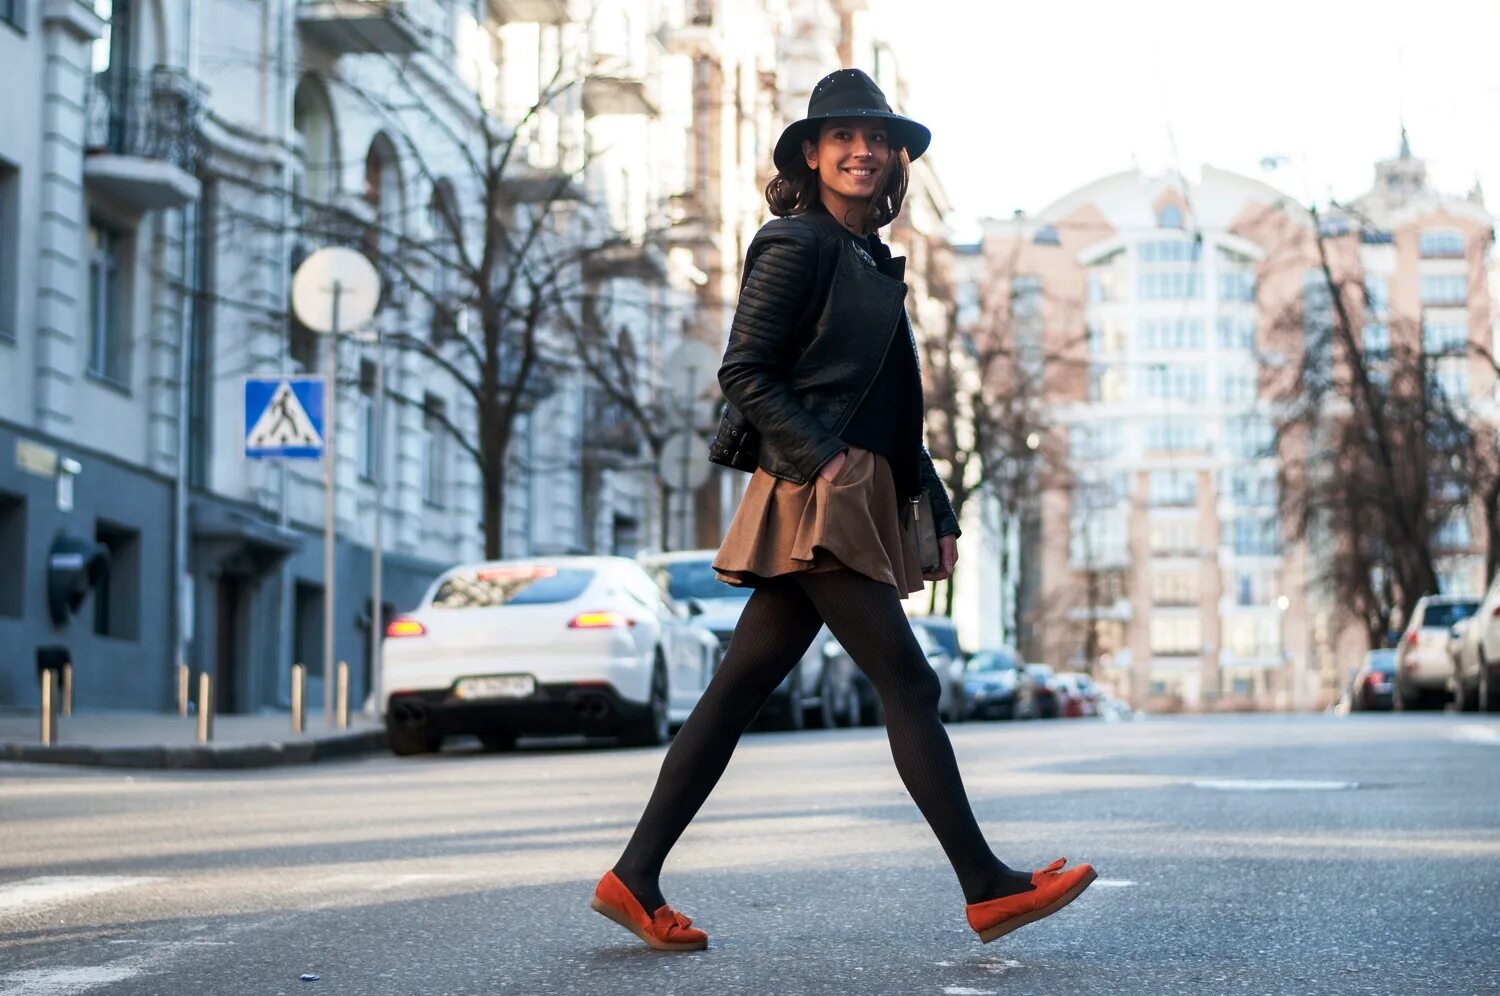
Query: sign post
[[334, 288]]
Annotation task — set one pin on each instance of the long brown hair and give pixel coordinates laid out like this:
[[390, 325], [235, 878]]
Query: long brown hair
[[796, 192]]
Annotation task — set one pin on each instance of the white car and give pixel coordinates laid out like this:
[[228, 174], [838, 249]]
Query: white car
[[546, 645], [1476, 656], [1424, 669]]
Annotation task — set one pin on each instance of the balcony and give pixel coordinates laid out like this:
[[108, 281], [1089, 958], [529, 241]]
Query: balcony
[[141, 146], [530, 11], [359, 27], [623, 94], [613, 441], [540, 185], [625, 260], [694, 34]]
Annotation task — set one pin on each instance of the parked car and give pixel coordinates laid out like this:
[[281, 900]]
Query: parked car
[[1044, 690], [1373, 683], [1475, 680], [547, 645], [941, 629], [813, 694], [1424, 670], [993, 688], [1078, 696], [952, 705]]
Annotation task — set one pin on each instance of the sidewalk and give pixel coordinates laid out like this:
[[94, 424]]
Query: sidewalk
[[167, 740]]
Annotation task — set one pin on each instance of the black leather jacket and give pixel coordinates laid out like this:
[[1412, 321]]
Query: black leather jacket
[[816, 317]]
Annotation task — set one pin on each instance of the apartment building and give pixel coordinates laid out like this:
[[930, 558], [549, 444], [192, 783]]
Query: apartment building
[[1165, 565], [158, 189]]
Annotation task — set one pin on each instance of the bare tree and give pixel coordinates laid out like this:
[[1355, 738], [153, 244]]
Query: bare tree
[[1374, 449]]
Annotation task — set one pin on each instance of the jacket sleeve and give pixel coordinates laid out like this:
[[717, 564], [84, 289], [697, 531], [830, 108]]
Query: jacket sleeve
[[782, 277], [942, 507]]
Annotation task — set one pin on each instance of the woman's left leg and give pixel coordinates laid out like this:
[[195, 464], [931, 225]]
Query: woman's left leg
[[773, 632]]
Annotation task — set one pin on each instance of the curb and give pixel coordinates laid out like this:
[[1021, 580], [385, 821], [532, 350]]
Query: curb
[[266, 754]]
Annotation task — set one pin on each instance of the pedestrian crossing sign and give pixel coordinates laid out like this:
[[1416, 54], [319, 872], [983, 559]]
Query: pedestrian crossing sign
[[284, 418]]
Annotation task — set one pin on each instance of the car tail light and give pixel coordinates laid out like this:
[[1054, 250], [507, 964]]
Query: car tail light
[[1374, 679], [405, 627], [1495, 613], [600, 620], [1411, 638]]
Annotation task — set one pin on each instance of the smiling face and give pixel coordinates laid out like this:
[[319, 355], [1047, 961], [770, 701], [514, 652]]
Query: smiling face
[[849, 157]]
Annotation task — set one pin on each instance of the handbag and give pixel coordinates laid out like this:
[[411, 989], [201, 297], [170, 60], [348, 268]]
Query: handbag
[[922, 528]]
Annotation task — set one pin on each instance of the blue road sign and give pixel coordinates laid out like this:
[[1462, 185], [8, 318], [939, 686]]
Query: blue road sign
[[284, 418]]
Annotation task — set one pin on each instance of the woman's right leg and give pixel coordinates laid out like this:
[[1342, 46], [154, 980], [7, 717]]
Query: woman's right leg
[[774, 631]]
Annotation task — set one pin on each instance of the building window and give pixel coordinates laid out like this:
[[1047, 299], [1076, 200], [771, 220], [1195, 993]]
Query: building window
[[1105, 281], [1171, 251], [1378, 295], [1173, 487], [10, 243], [1238, 387], [117, 598], [1444, 289], [1445, 335], [1170, 285], [1170, 216], [1249, 437], [1173, 435], [1236, 285], [13, 12], [1098, 540], [1173, 383], [1451, 378], [1257, 536], [1454, 533], [1095, 441], [1250, 485], [1176, 637], [1171, 333], [1441, 243], [1046, 236], [12, 554], [1174, 537], [1253, 637], [369, 435], [107, 304], [1174, 587], [1377, 340], [1236, 333], [434, 450]]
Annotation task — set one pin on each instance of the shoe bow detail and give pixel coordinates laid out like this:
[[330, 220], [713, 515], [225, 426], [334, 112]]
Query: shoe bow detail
[[670, 924], [1055, 866]]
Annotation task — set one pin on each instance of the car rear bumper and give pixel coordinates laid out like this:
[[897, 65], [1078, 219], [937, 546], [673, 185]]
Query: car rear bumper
[[409, 669], [554, 708]]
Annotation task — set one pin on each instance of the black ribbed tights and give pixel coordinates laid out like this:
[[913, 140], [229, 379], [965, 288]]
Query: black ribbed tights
[[775, 629]]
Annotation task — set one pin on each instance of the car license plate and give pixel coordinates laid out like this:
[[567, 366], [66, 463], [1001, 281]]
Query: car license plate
[[498, 686]]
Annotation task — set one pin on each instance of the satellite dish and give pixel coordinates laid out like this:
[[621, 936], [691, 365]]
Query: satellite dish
[[335, 288], [690, 369]]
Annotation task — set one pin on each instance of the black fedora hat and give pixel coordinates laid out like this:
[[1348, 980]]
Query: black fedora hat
[[847, 93]]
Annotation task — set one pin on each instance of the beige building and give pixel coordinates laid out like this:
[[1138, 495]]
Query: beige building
[[1164, 564]]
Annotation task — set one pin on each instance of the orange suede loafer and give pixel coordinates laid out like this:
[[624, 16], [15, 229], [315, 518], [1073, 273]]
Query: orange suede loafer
[[1053, 889], [664, 930]]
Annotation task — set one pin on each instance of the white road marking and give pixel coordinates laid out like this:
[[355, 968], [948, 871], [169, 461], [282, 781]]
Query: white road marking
[[52, 889], [1271, 785], [63, 981], [1476, 734], [966, 991], [1112, 883]]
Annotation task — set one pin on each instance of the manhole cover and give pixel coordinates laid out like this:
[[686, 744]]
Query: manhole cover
[[1271, 785]]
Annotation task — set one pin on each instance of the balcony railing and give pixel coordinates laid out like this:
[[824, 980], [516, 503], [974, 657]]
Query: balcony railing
[[530, 11], [141, 137]]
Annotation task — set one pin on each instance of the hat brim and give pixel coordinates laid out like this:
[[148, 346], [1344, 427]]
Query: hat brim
[[904, 132]]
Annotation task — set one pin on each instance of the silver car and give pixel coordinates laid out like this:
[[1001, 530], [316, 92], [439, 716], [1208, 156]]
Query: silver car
[[1424, 669]]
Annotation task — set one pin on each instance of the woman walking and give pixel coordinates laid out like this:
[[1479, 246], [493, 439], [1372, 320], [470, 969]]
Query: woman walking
[[825, 407]]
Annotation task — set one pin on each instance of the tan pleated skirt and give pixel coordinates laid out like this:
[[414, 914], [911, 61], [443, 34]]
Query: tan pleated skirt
[[851, 522]]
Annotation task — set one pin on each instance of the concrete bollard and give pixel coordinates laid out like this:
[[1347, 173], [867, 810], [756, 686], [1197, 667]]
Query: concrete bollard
[[184, 689], [67, 689], [299, 698], [342, 715], [205, 708], [49, 715]]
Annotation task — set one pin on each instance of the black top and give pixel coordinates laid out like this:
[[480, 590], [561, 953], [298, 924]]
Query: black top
[[889, 419]]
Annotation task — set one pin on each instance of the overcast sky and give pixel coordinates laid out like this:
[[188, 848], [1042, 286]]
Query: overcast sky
[[1029, 99]]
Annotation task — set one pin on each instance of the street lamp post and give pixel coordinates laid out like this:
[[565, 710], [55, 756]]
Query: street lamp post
[[1282, 604]]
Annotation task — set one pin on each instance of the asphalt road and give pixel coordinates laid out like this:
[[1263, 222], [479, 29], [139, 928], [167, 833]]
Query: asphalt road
[[1370, 865]]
